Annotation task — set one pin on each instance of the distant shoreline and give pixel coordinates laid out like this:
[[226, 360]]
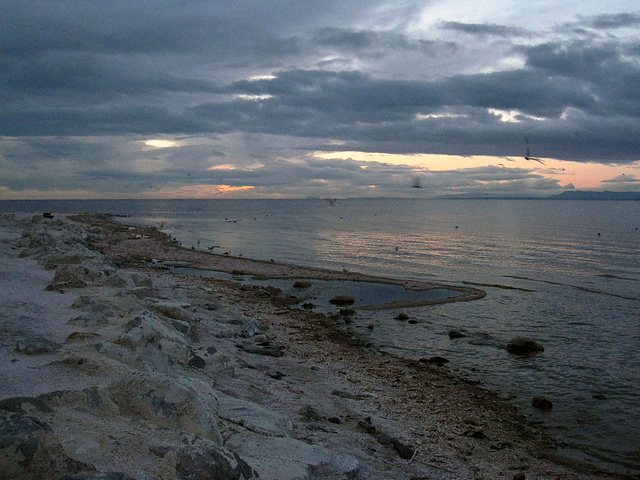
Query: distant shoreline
[[9, 205]]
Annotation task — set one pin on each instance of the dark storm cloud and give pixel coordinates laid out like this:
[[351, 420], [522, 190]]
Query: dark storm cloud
[[572, 87], [328, 80]]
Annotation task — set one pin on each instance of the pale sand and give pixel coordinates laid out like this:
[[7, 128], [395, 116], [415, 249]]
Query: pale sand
[[452, 429]]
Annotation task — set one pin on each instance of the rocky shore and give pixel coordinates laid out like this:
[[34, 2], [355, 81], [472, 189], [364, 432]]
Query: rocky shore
[[113, 369]]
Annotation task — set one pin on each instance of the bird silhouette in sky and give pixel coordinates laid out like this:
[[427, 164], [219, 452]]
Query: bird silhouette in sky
[[528, 155]]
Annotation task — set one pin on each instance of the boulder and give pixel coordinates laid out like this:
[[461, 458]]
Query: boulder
[[301, 284], [140, 280], [253, 417], [36, 345], [76, 276], [523, 346], [178, 403], [115, 281], [288, 458], [55, 260], [175, 310], [29, 449], [158, 343], [211, 462]]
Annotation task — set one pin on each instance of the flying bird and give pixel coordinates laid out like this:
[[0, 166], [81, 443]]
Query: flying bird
[[528, 155]]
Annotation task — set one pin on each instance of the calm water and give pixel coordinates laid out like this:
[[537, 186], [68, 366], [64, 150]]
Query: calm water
[[566, 273]]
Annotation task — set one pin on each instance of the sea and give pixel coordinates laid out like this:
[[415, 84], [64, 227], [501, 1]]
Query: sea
[[565, 273]]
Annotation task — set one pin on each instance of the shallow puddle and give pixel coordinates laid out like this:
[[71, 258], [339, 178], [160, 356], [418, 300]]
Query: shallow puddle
[[320, 292]]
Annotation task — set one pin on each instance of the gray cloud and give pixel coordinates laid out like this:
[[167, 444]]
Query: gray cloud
[[623, 179], [607, 21], [485, 30]]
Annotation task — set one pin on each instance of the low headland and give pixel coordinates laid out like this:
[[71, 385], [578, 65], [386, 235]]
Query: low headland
[[114, 368]]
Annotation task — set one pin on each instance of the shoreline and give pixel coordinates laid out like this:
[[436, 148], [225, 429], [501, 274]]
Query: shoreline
[[300, 383], [159, 247]]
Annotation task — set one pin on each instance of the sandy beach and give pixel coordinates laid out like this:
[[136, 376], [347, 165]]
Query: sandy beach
[[113, 368]]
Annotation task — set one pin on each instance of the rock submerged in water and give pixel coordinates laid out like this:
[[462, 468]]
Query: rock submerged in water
[[523, 346], [542, 403], [342, 300], [453, 334], [435, 360]]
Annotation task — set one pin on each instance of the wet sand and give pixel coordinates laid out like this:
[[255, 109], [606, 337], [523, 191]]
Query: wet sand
[[309, 398]]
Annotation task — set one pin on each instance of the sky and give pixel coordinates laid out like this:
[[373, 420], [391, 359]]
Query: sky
[[323, 98]]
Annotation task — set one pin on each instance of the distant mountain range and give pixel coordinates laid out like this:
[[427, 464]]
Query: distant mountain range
[[569, 195], [582, 195]]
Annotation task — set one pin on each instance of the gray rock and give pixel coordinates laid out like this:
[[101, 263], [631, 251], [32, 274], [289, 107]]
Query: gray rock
[[96, 305], [35, 345], [310, 414], [253, 417], [287, 458], [78, 276], [98, 476], [29, 450], [142, 292], [196, 361], [140, 280], [179, 403], [115, 281], [147, 332], [119, 353], [18, 404], [177, 311], [55, 260], [211, 462]]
